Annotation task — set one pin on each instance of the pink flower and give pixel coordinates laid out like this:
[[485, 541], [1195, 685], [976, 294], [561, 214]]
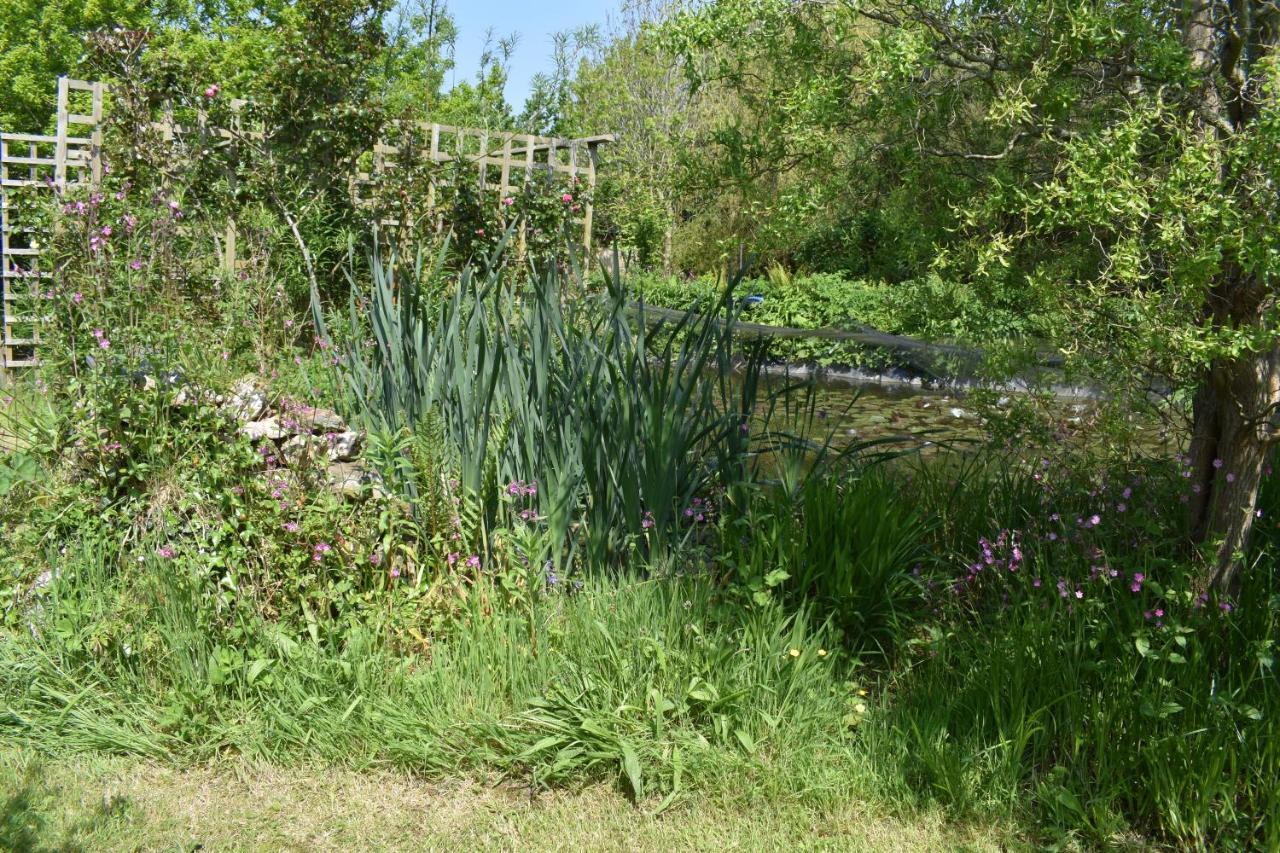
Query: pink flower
[[479, 232], [566, 198], [508, 201], [212, 91], [291, 526], [135, 264], [1231, 478], [167, 552], [473, 562], [77, 298]]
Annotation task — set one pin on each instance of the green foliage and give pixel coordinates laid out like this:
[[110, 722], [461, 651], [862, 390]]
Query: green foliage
[[846, 544], [929, 308], [41, 40], [546, 384]]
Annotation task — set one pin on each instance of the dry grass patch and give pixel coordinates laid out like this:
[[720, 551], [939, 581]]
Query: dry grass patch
[[124, 804]]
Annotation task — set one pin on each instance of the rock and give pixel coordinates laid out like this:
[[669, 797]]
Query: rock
[[30, 601], [248, 402], [344, 446], [300, 448], [189, 395], [353, 480], [304, 419], [267, 428]]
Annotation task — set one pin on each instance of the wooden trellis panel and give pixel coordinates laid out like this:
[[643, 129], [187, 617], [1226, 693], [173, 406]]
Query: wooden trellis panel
[[35, 163], [32, 163], [503, 161]]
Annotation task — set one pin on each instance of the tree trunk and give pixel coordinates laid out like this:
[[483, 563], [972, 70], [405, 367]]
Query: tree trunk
[[1233, 412]]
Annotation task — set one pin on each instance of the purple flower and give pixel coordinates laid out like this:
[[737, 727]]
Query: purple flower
[[1217, 463], [291, 526], [135, 264], [473, 562]]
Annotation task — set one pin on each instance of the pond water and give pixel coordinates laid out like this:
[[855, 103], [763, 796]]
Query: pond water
[[927, 418]]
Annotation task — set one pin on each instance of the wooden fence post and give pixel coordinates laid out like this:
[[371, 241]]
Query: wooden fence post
[[60, 147]]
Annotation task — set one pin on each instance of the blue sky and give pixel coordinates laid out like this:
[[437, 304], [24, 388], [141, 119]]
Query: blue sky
[[534, 20]]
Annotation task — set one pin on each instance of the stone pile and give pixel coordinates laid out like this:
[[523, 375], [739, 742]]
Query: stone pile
[[302, 437]]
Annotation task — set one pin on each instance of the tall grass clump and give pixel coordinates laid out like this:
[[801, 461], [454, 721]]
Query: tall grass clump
[[629, 432], [1077, 671]]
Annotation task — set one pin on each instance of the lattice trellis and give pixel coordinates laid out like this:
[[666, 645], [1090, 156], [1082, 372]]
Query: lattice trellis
[[34, 163]]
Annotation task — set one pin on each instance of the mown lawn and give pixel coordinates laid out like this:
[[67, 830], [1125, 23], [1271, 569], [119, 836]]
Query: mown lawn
[[109, 803]]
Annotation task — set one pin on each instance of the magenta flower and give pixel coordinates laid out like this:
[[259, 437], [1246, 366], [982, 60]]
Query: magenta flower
[[135, 265], [167, 552], [473, 562]]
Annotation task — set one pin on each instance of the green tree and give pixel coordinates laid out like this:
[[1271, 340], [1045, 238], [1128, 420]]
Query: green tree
[[1110, 168], [1147, 141], [43, 39]]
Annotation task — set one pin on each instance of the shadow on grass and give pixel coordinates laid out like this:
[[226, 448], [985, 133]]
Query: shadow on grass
[[26, 825]]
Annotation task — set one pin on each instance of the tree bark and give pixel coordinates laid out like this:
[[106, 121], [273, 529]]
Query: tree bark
[[1232, 431]]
